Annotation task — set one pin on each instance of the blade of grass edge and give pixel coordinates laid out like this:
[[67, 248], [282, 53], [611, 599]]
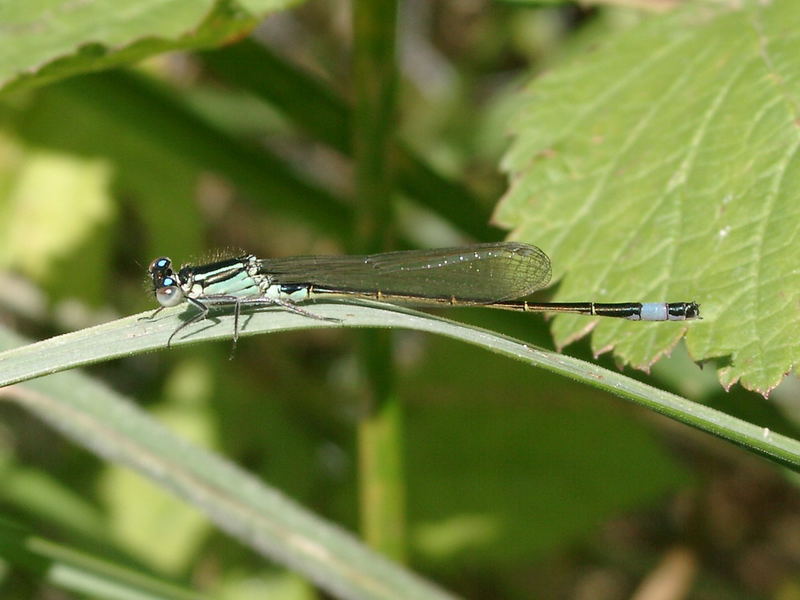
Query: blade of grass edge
[[81, 572]]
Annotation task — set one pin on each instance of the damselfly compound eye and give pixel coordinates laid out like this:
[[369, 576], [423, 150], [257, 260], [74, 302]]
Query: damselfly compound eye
[[160, 265], [168, 292]]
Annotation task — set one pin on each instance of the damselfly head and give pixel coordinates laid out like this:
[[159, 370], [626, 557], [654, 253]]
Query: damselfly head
[[158, 269]]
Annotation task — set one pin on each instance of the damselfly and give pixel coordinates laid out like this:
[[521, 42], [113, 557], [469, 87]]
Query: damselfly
[[494, 275]]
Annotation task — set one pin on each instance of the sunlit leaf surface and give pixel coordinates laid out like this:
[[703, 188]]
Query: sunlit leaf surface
[[665, 168], [47, 40]]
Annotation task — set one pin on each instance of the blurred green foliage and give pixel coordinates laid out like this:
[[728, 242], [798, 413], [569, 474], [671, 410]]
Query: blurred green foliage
[[520, 484]]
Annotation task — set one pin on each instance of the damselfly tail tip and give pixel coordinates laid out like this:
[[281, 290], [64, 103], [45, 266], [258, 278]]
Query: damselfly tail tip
[[693, 311], [685, 311]]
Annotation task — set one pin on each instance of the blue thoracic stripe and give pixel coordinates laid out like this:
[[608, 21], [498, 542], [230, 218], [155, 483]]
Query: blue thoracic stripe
[[237, 283]]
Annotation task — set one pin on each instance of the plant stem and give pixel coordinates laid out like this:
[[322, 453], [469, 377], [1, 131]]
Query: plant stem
[[382, 493]]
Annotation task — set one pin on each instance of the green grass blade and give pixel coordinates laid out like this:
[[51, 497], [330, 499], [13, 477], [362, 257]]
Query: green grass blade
[[130, 335], [261, 517], [82, 572]]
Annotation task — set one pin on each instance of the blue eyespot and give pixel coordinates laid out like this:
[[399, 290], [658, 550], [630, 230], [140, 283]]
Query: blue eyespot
[[160, 265]]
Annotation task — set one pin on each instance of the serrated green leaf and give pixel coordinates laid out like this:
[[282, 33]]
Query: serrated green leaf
[[663, 168], [44, 41]]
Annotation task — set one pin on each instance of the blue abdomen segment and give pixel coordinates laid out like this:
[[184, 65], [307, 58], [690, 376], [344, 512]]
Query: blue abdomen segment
[[654, 311]]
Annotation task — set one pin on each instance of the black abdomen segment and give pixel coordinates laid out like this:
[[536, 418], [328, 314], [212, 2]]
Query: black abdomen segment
[[634, 311]]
